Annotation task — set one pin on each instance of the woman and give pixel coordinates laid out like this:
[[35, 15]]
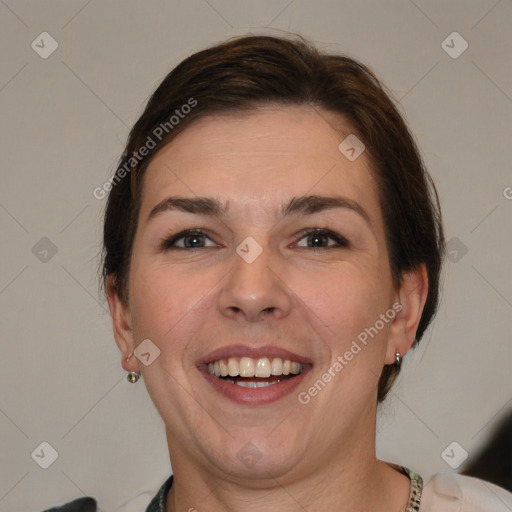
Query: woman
[[273, 246]]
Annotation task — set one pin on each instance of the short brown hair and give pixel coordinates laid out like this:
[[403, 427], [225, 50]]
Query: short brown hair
[[247, 72]]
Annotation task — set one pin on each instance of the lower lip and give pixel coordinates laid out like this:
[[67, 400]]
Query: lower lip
[[255, 396]]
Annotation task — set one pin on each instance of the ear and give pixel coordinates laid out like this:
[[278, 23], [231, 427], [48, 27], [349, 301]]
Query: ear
[[122, 325], [411, 296]]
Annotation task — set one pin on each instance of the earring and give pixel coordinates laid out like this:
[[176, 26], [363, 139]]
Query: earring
[[398, 359], [132, 377]]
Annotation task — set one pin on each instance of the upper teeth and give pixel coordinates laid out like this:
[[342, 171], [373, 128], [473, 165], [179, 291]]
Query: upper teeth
[[249, 367]]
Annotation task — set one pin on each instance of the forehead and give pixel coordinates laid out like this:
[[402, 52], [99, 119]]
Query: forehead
[[259, 159]]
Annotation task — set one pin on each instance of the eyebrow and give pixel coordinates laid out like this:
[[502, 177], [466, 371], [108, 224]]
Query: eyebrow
[[304, 205]]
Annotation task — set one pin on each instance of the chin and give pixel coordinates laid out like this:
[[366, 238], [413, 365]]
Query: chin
[[257, 457]]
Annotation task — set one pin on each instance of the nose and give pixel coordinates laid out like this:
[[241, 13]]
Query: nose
[[255, 291]]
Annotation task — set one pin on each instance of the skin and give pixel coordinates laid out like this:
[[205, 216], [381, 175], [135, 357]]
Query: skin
[[310, 300]]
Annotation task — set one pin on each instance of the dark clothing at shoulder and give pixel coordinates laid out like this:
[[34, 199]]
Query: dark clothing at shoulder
[[88, 504], [158, 502], [80, 505]]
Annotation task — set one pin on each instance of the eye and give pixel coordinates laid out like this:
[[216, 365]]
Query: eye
[[322, 239], [189, 239]]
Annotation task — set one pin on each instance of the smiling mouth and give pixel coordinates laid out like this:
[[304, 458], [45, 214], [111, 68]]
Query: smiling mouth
[[251, 372]]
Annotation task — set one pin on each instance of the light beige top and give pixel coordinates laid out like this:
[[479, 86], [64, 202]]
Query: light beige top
[[450, 492]]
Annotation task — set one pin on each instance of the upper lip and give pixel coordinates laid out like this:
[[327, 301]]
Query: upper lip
[[251, 351]]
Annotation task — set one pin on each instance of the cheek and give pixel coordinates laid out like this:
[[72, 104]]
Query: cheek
[[163, 302], [347, 298]]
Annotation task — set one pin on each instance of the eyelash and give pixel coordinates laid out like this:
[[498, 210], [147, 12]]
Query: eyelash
[[341, 242]]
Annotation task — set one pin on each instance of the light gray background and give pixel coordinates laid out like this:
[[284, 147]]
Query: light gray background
[[65, 119]]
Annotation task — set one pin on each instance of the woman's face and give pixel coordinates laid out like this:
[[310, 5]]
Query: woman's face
[[285, 259]]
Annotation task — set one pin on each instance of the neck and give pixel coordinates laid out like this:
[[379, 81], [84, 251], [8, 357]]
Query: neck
[[351, 478]]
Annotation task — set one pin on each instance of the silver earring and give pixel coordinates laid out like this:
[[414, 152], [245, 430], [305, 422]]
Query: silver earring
[[132, 377], [398, 359]]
